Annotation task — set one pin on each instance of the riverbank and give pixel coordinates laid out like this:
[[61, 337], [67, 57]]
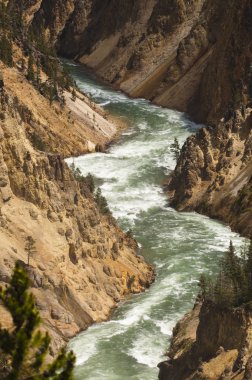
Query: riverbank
[[179, 245], [213, 173], [78, 127], [83, 263]]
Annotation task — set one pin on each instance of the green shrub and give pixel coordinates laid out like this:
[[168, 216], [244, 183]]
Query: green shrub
[[175, 149], [233, 285], [37, 142], [24, 348], [101, 202]]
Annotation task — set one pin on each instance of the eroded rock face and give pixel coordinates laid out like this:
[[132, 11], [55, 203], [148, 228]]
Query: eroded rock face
[[210, 343], [190, 55], [213, 174], [83, 261]]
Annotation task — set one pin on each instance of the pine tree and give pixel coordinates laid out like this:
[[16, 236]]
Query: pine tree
[[89, 179], [6, 50], [233, 271], [30, 248], [175, 149], [248, 271], [101, 202], [76, 172], [30, 69], [203, 286], [73, 95], [233, 285], [38, 75], [23, 348]]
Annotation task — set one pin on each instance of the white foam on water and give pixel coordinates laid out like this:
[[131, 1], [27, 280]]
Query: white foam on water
[[85, 348], [166, 326], [182, 245], [146, 350]]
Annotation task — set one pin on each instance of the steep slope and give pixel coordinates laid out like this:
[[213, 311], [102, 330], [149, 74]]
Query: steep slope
[[82, 264], [173, 52], [213, 174], [133, 49], [194, 56], [225, 356]]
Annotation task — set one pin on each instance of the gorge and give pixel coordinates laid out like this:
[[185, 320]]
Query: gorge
[[187, 56], [181, 245]]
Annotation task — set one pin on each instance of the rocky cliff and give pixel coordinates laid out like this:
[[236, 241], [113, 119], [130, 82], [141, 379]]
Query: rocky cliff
[[82, 264], [214, 171], [174, 52], [210, 343], [194, 56]]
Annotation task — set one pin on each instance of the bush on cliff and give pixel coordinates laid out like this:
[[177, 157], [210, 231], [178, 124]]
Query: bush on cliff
[[175, 149], [101, 202], [233, 285], [37, 47], [23, 348]]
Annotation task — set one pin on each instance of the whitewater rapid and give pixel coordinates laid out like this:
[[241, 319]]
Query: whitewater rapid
[[180, 245]]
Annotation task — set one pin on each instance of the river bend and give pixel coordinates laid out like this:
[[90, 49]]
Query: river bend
[[180, 245]]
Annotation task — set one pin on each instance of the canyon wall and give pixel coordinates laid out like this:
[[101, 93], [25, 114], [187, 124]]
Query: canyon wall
[[82, 264], [210, 343], [193, 56]]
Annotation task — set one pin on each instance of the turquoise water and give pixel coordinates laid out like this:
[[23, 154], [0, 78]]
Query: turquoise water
[[180, 245]]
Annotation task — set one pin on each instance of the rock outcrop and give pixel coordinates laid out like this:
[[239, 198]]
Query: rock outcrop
[[190, 55], [83, 263], [214, 171], [194, 56], [210, 343]]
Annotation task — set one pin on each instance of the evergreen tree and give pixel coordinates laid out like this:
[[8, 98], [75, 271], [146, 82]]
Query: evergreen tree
[[30, 248], [38, 75], [248, 271], [175, 148], [233, 285], [6, 50], [30, 69], [76, 172], [73, 94], [101, 202], [203, 286], [89, 180], [23, 348]]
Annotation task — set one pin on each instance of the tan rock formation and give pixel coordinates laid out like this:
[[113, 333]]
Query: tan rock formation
[[194, 56], [84, 264], [210, 343], [214, 171], [72, 130]]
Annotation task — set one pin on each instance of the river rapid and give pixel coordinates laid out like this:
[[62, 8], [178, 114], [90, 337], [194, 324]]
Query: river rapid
[[180, 245]]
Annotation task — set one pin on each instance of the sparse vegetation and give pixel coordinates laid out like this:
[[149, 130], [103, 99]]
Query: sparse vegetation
[[129, 234], [39, 51], [74, 95], [76, 172], [233, 285], [130, 281], [37, 142], [24, 348], [101, 202], [175, 149], [30, 248], [88, 180]]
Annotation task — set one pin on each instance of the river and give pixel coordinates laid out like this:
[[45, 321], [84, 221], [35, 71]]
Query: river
[[180, 245]]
